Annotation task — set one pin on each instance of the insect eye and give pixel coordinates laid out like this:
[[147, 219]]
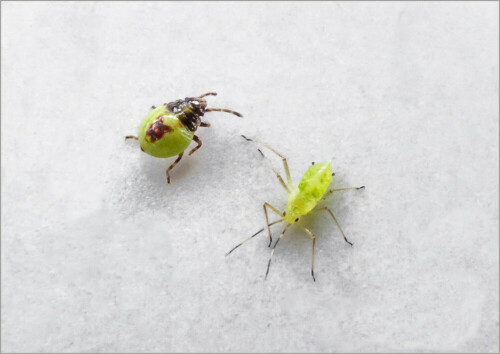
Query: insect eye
[[284, 213], [296, 219]]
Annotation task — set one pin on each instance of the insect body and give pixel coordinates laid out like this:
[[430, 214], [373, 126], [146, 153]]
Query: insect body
[[302, 199], [168, 130]]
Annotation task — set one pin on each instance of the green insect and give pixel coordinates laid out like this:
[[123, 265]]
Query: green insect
[[302, 199], [168, 130]]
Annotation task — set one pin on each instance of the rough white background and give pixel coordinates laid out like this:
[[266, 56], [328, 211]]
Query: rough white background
[[98, 254]]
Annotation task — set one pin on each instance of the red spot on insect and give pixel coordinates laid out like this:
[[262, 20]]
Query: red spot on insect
[[157, 129]]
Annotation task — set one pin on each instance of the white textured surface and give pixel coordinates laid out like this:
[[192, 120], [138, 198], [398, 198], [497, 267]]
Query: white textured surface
[[98, 254]]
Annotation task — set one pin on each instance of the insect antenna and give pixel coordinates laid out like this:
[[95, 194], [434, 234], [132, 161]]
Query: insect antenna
[[272, 252], [255, 234], [208, 94], [224, 110], [283, 159]]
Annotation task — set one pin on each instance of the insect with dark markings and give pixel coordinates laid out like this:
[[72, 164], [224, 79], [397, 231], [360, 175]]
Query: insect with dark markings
[[168, 130], [302, 199]]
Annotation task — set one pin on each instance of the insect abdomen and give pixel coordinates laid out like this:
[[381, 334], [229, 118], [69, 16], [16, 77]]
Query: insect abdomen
[[316, 180], [161, 134]]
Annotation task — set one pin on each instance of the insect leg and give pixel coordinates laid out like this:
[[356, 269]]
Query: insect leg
[[255, 234], [267, 205], [283, 158], [311, 235], [179, 157], [197, 140], [131, 137], [205, 125], [336, 222], [331, 191], [223, 110], [272, 252]]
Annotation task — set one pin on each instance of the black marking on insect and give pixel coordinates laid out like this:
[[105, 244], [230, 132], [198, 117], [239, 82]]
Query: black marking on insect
[[157, 129]]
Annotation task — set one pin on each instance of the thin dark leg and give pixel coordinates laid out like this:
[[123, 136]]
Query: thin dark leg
[[312, 267], [223, 110], [336, 222], [205, 125], [267, 205], [255, 234], [311, 235], [347, 189], [131, 137], [196, 139], [272, 252], [179, 157], [331, 191]]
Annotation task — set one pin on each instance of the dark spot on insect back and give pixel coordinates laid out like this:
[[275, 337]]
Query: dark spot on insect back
[[152, 134], [157, 129]]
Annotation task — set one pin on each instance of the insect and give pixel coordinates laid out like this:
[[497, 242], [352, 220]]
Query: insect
[[168, 130], [302, 200]]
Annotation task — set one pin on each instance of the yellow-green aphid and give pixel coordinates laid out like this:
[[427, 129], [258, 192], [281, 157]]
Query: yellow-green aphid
[[168, 130], [302, 199]]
